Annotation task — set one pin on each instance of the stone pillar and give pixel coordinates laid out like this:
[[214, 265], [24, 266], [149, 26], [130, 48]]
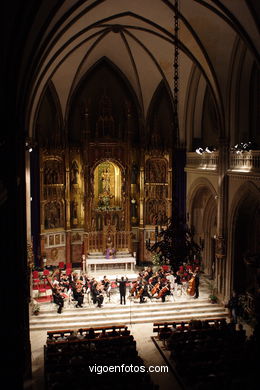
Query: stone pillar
[[222, 205], [86, 244], [68, 247], [141, 244], [141, 224], [67, 192]]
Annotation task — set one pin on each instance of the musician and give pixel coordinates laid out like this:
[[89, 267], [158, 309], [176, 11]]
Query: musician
[[134, 288], [164, 291], [144, 292], [150, 271], [64, 283], [106, 285], [58, 299], [55, 281], [97, 296], [78, 295], [171, 279], [197, 283], [154, 279], [122, 288]]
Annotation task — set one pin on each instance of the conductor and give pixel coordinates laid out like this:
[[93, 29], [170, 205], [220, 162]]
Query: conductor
[[122, 288]]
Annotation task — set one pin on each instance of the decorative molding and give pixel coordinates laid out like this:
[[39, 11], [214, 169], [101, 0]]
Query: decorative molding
[[243, 175]]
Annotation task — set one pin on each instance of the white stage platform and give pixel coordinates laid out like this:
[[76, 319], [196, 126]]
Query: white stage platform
[[109, 262]]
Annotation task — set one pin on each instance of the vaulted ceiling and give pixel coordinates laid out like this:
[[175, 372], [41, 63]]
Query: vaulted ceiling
[[219, 46]]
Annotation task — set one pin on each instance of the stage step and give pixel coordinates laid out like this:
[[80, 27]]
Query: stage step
[[132, 313]]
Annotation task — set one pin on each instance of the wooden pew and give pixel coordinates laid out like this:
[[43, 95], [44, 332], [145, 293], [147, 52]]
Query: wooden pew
[[158, 326]]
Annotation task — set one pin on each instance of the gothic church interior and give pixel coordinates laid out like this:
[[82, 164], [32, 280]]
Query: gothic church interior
[[89, 86]]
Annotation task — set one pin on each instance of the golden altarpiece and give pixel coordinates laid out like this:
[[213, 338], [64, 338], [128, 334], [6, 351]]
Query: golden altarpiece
[[107, 191]]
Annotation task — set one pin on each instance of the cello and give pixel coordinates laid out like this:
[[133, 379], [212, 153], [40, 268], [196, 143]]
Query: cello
[[140, 292], [155, 288], [134, 287], [162, 292]]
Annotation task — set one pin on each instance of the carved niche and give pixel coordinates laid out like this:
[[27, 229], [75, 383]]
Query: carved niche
[[53, 215], [53, 172], [156, 212], [74, 173], [156, 171]]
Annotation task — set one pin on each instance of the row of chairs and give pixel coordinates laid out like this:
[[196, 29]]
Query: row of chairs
[[41, 284]]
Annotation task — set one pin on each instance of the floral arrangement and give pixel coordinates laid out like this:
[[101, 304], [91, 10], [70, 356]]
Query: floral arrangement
[[36, 308]]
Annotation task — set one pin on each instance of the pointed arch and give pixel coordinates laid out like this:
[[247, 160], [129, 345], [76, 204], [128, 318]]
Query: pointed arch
[[159, 122], [103, 77], [49, 119]]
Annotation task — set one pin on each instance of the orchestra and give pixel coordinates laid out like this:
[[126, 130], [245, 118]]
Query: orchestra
[[149, 284]]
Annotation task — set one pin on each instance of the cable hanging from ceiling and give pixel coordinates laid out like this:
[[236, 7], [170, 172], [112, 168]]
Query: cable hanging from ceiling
[[176, 71]]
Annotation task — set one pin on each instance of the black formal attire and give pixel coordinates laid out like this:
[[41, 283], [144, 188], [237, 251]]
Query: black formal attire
[[145, 293], [97, 296], [58, 299], [79, 297], [122, 289], [197, 283]]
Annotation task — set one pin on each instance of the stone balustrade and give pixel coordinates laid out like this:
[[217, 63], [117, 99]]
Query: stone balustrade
[[245, 162], [205, 161], [238, 162]]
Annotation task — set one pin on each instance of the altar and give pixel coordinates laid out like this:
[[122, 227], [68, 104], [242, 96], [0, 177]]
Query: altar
[[109, 263]]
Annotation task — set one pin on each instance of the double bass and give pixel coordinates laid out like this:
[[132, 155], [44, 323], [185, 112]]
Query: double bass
[[191, 288]]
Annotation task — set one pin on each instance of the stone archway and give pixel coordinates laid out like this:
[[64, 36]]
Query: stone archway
[[203, 219], [245, 233]]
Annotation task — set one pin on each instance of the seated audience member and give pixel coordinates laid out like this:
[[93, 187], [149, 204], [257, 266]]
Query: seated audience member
[[91, 334], [114, 332], [125, 332], [103, 334]]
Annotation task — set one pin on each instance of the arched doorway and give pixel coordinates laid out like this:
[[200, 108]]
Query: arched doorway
[[246, 233], [203, 220]]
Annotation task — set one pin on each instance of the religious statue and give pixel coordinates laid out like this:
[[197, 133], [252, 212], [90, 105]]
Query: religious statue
[[110, 251], [105, 177], [74, 173]]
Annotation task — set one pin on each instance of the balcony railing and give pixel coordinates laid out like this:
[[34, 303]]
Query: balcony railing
[[205, 161], [245, 162]]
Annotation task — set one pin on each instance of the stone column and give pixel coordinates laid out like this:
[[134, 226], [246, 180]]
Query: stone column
[[67, 191], [222, 205], [68, 247], [141, 224]]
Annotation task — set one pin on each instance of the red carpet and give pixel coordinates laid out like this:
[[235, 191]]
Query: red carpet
[[47, 298]]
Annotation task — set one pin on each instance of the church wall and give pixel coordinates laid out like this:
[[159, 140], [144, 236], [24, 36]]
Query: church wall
[[76, 255], [55, 255], [193, 176], [235, 182]]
